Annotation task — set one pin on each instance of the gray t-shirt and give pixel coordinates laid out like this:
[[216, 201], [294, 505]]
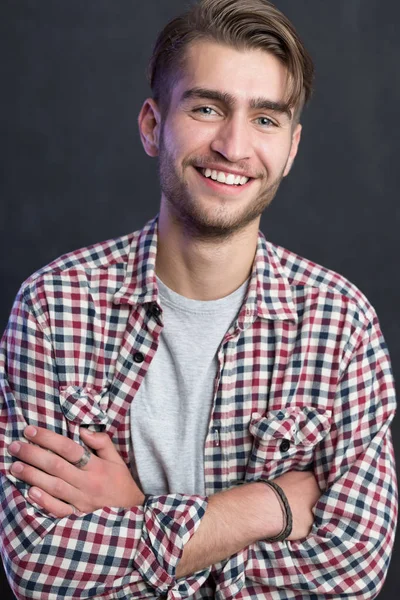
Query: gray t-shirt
[[171, 410]]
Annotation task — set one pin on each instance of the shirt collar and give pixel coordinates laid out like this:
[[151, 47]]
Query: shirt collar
[[268, 296], [140, 284]]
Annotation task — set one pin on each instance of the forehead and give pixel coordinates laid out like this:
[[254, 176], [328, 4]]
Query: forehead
[[245, 74]]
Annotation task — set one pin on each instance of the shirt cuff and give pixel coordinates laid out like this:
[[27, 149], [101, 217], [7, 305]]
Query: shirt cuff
[[230, 575], [169, 523]]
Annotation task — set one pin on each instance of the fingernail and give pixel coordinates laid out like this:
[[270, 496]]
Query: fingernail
[[35, 494], [88, 431], [14, 448], [17, 468], [30, 431]]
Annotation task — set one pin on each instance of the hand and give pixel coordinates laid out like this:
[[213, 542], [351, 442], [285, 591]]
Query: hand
[[61, 487], [302, 491]]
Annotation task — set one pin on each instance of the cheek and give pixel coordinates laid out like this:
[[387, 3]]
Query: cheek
[[168, 140], [173, 144], [169, 149], [190, 137], [274, 155]]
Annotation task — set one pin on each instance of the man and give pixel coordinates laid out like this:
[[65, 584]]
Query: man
[[247, 389]]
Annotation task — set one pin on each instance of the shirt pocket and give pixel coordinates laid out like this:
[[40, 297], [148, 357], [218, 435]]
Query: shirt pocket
[[285, 439], [84, 407]]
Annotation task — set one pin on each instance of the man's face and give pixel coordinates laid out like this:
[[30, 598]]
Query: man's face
[[227, 123]]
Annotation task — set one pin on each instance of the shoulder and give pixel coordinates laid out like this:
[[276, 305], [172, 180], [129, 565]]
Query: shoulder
[[103, 263], [96, 256], [308, 279]]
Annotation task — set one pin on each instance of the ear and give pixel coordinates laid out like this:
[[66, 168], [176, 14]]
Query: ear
[[149, 122], [293, 149]]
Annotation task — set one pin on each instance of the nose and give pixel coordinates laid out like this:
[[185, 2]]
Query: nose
[[232, 140]]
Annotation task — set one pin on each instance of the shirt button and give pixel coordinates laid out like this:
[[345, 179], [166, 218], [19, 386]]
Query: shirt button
[[285, 445], [156, 310], [138, 357]]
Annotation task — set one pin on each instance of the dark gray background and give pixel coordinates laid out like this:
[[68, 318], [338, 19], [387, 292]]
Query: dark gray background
[[73, 171]]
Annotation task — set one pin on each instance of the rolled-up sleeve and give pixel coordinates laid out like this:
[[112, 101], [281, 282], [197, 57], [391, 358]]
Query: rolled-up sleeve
[[348, 551]]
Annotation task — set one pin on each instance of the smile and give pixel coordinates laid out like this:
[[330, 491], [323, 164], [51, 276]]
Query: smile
[[222, 177]]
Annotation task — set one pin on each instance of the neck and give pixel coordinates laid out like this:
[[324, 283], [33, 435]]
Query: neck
[[203, 269]]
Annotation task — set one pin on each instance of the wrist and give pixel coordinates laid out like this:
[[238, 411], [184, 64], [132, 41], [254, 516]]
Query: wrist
[[140, 498], [286, 512], [271, 516], [136, 495]]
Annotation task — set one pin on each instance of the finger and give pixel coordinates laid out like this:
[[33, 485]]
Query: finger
[[101, 442], [59, 444], [55, 487], [46, 461], [54, 507]]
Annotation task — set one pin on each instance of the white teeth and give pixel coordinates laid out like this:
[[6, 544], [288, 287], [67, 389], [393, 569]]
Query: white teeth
[[227, 178], [221, 177]]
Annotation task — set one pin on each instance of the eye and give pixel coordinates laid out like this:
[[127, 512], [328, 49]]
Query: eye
[[266, 122], [205, 110]]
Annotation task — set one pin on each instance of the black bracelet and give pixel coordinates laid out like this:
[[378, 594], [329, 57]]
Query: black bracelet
[[288, 524]]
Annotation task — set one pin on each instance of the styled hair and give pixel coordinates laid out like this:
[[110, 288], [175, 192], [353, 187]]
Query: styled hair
[[240, 24]]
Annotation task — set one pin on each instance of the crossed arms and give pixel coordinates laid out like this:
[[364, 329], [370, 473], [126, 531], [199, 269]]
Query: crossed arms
[[106, 481], [112, 549]]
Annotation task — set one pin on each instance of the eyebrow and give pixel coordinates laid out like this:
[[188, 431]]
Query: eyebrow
[[230, 101]]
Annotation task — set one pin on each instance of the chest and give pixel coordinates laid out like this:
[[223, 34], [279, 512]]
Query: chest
[[272, 391]]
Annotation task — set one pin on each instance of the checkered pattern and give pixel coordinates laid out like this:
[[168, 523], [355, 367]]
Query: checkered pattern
[[304, 362]]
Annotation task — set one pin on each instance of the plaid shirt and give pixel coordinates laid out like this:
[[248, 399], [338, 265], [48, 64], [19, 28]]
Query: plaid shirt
[[304, 382]]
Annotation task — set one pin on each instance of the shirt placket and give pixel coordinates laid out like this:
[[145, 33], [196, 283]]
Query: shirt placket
[[137, 350], [220, 470]]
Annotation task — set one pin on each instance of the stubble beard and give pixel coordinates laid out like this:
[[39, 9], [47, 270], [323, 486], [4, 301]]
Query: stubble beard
[[192, 217]]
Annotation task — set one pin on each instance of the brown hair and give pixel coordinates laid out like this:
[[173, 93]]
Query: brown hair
[[241, 24]]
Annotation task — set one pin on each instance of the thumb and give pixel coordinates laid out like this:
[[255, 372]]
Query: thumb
[[102, 443]]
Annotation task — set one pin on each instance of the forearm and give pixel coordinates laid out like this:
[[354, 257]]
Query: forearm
[[141, 556], [234, 519], [347, 551], [346, 554]]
